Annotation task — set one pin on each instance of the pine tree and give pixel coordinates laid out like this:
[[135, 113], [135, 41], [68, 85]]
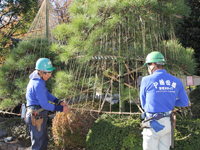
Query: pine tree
[[188, 31], [106, 39], [103, 48], [14, 73], [21, 60]]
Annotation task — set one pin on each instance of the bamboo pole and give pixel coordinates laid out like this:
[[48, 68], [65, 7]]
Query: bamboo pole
[[115, 79]]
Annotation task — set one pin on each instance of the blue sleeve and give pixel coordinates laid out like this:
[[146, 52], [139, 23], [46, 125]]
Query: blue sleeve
[[42, 96], [51, 97], [142, 94], [182, 100]]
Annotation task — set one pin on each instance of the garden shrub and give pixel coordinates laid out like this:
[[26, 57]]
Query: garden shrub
[[194, 97], [187, 134], [108, 132], [114, 132], [70, 130]]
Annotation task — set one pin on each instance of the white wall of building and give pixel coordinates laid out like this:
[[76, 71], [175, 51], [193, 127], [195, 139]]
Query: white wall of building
[[196, 80]]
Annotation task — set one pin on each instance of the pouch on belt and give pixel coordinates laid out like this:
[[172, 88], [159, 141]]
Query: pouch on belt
[[36, 119]]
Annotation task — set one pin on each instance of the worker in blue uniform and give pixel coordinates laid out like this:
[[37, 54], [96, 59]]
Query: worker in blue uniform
[[160, 92], [38, 105]]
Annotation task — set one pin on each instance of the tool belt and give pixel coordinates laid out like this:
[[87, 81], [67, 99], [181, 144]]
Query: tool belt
[[31, 111], [145, 123], [36, 118], [150, 116], [165, 114]]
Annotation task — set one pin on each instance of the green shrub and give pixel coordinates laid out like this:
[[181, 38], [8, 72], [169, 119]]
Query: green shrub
[[110, 132], [195, 105], [187, 135]]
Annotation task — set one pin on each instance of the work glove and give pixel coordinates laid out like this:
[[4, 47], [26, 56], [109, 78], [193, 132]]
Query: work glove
[[157, 116], [156, 126]]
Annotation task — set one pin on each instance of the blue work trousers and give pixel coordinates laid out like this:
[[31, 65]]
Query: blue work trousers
[[39, 139]]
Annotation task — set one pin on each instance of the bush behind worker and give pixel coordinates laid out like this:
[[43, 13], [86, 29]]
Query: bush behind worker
[[160, 92], [37, 97]]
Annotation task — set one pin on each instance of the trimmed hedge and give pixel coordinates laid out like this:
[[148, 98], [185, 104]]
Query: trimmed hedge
[[109, 132], [187, 134], [195, 105]]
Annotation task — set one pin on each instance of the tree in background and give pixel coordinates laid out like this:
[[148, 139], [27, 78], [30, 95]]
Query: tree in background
[[188, 31], [20, 61], [15, 19], [14, 73], [61, 8]]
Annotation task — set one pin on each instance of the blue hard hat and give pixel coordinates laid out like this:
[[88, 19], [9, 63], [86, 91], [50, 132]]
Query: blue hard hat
[[44, 64]]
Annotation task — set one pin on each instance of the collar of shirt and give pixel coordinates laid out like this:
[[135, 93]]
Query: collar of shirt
[[160, 70]]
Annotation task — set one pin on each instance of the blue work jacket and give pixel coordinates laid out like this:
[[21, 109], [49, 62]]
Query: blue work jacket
[[37, 94], [160, 92]]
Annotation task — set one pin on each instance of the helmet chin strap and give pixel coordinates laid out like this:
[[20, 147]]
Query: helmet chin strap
[[41, 74], [150, 69]]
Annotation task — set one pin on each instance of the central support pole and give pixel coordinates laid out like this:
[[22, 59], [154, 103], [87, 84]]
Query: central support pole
[[121, 74], [121, 87], [47, 20]]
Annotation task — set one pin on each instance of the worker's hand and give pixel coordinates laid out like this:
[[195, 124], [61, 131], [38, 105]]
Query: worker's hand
[[63, 104], [66, 109]]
